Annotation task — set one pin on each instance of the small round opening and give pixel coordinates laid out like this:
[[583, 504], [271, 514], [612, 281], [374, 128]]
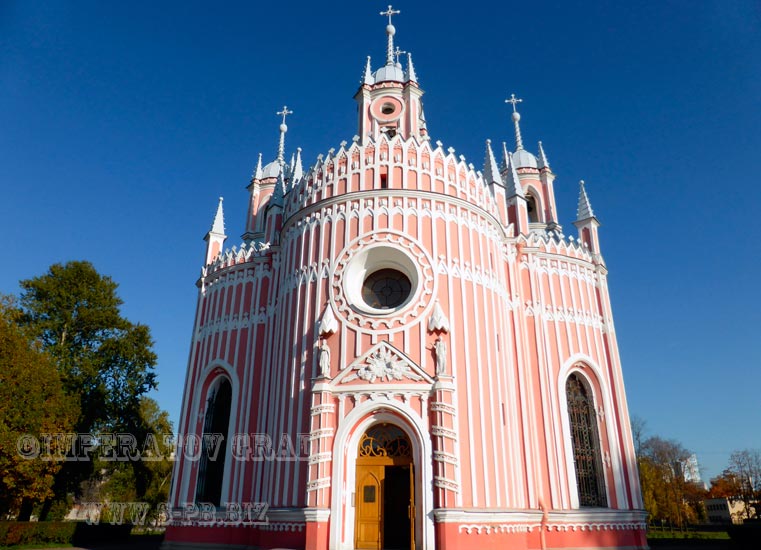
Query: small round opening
[[386, 289], [387, 108]]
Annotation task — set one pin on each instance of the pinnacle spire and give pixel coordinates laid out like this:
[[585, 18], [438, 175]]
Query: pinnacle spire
[[278, 192], [505, 157], [491, 172], [584, 211], [390, 31], [258, 169], [218, 226], [542, 161], [283, 129], [367, 78], [298, 171], [514, 186], [410, 69], [516, 119]]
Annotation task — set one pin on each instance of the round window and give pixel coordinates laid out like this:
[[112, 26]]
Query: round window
[[387, 108], [386, 289]]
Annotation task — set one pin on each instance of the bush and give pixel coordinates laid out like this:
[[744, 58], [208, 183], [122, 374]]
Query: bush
[[14, 533]]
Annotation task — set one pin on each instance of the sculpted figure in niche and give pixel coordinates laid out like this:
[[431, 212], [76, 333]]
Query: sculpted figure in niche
[[440, 349], [324, 360]]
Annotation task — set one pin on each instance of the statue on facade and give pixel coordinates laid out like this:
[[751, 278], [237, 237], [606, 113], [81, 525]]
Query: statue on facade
[[440, 349], [324, 360]]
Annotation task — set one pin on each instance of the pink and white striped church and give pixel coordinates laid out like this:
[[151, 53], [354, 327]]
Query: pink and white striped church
[[405, 352]]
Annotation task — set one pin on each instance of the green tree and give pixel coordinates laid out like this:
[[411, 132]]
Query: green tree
[[105, 361], [32, 402], [145, 480]]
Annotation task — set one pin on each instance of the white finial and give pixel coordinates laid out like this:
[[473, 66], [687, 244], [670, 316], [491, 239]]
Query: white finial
[[328, 323], [438, 321], [390, 31], [283, 129], [516, 118]]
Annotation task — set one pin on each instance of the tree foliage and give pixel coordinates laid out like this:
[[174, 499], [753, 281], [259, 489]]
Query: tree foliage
[[32, 401], [105, 361], [667, 494]]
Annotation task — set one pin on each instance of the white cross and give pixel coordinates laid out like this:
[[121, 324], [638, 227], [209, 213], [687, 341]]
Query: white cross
[[285, 112], [514, 100], [390, 11], [398, 52]]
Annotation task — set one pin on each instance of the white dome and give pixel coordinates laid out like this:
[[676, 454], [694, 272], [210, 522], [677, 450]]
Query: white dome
[[524, 159], [389, 72], [272, 170]]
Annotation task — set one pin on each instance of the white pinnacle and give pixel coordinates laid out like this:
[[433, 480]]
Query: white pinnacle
[[542, 160], [411, 69], [258, 170], [491, 172], [584, 211], [514, 186], [218, 226]]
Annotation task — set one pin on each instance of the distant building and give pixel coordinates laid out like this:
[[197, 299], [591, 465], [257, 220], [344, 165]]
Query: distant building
[[724, 510], [691, 470]]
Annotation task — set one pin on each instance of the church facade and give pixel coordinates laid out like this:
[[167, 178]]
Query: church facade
[[405, 352]]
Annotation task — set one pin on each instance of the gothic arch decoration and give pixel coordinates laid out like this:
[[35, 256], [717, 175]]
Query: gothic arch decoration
[[585, 438], [211, 470], [385, 440]]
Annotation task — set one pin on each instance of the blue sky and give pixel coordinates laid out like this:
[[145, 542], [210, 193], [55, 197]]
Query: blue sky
[[121, 124]]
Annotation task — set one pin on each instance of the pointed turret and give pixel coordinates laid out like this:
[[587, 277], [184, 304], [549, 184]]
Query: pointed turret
[[541, 160], [586, 222], [517, 207], [257, 175], [491, 172], [298, 171], [367, 78], [215, 238], [513, 186], [411, 75]]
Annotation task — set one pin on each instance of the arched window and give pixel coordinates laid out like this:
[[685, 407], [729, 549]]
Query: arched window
[[531, 208], [590, 478], [212, 469]]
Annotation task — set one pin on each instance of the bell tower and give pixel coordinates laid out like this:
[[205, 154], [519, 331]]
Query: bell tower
[[389, 98]]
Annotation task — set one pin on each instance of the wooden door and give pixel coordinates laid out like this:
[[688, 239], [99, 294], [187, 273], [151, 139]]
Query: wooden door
[[369, 507]]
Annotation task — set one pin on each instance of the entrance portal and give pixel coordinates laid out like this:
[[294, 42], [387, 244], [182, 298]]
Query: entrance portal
[[385, 493]]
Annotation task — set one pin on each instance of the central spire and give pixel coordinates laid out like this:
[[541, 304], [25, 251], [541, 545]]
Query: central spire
[[516, 118], [283, 129], [390, 31]]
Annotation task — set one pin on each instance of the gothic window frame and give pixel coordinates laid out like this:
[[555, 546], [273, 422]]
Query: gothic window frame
[[208, 420], [594, 490]]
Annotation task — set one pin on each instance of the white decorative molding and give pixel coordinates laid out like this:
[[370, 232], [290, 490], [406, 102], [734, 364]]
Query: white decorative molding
[[438, 321], [384, 364]]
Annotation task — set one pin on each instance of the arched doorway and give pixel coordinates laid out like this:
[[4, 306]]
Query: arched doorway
[[216, 423], [385, 490]]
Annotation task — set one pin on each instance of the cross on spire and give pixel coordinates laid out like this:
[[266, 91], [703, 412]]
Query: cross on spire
[[390, 30], [285, 112], [389, 12], [397, 52], [283, 129], [514, 100], [516, 117]]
